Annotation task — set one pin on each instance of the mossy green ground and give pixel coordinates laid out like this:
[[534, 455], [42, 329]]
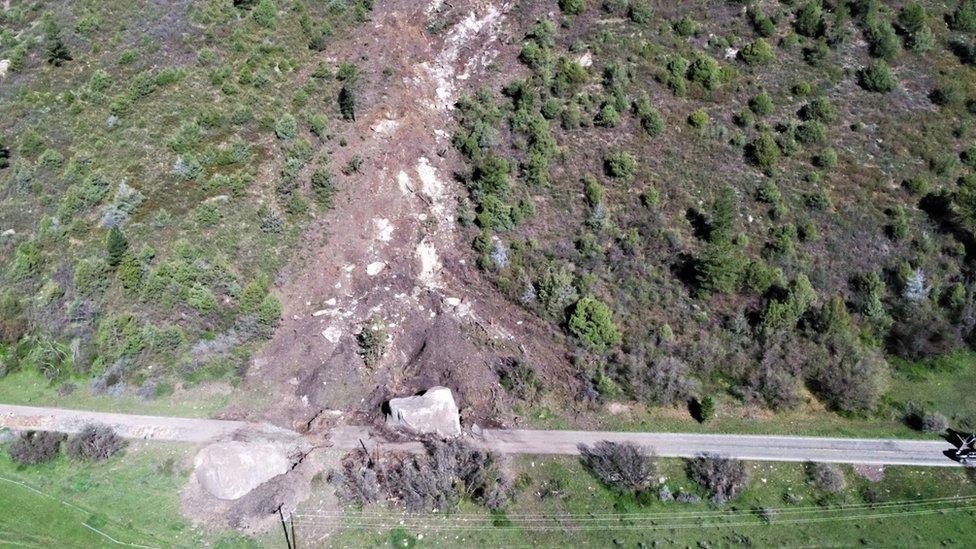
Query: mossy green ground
[[582, 513]]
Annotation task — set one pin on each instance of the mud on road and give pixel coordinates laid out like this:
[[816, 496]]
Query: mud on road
[[389, 252]]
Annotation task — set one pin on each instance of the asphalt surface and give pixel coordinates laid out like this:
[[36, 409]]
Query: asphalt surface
[[126, 425], [749, 447]]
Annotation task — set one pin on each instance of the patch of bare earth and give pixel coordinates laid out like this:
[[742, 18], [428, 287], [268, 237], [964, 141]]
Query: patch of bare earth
[[390, 250], [874, 473]]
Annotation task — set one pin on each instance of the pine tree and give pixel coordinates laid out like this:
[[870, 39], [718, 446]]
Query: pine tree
[[116, 245], [347, 103]]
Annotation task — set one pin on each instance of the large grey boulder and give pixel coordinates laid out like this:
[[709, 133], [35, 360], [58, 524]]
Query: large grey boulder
[[433, 412], [229, 470]]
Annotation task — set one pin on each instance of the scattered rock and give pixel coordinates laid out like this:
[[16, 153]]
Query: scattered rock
[[433, 412]]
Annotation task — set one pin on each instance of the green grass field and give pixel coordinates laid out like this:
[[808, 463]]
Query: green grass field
[[29, 388], [132, 500], [898, 511]]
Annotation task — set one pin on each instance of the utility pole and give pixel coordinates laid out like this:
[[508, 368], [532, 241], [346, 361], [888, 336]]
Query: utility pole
[[294, 542], [285, 528]]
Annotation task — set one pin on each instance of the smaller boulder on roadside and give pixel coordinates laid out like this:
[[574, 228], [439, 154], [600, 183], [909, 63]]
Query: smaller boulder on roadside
[[433, 412]]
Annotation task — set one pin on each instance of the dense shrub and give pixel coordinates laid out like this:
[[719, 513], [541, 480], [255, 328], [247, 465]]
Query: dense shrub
[[608, 117], [356, 481], [816, 55], [13, 322], [811, 132], [809, 20], [94, 443], [877, 77], [882, 40], [928, 422], [826, 476], [90, 275], [519, 378], [33, 447], [115, 246], [759, 52], [667, 381], [323, 186], [704, 70], [964, 17], [724, 478], [372, 341], [764, 152], [761, 104], [849, 376], [686, 26], [448, 470], [265, 13], [620, 164], [347, 103], [913, 23], [623, 466], [592, 323], [698, 119], [720, 267], [820, 109], [286, 127], [649, 117], [640, 12], [572, 7]]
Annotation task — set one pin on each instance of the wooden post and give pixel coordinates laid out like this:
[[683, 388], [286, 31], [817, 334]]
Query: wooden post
[[284, 527]]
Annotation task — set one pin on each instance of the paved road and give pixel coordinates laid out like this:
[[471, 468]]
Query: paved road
[[751, 447], [126, 425]]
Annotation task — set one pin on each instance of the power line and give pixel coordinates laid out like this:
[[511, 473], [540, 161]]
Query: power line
[[661, 514], [654, 527]]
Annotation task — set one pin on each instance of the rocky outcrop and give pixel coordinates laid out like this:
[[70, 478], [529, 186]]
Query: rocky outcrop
[[433, 412]]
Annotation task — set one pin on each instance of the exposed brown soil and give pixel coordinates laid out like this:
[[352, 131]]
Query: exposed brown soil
[[390, 250]]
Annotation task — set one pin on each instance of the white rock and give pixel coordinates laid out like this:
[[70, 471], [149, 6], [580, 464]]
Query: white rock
[[433, 412], [384, 229], [332, 333], [4, 65], [430, 264], [229, 470], [385, 126], [374, 268]]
